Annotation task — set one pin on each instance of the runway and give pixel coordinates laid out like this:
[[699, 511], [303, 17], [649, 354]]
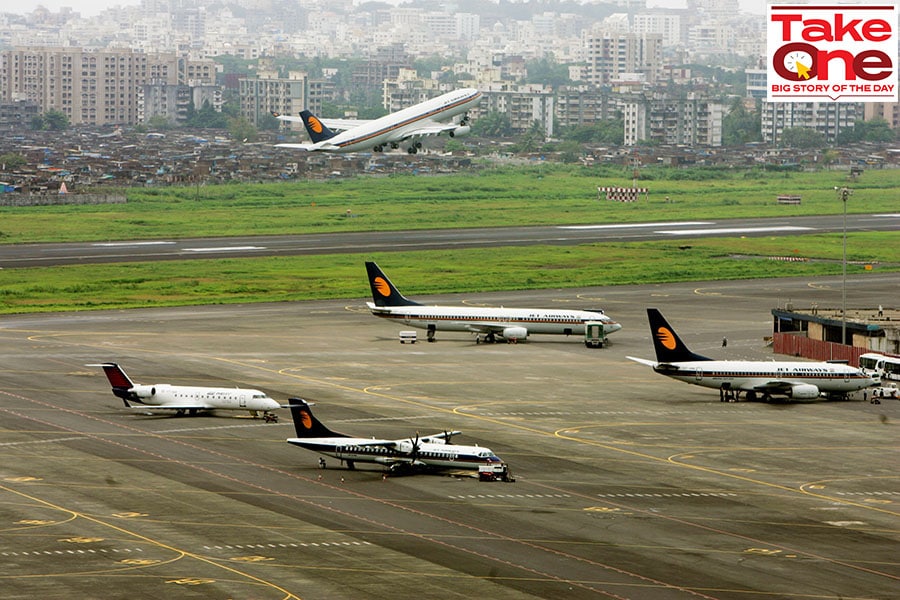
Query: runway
[[629, 485], [34, 255]]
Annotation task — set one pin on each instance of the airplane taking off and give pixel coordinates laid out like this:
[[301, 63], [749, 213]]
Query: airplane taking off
[[512, 324], [433, 452], [190, 399], [795, 380], [432, 117]]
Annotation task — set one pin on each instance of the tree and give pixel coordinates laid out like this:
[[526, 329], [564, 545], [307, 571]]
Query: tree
[[547, 71], [56, 120], [493, 124], [609, 131], [740, 125], [875, 130], [241, 129], [53, 120], [802, 137], [11, 161]]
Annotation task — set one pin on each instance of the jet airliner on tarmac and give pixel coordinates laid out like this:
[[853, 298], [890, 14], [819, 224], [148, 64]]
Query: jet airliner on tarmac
[[796, 380], [445, 114], [430, 452], [512, 324], [183, 398]]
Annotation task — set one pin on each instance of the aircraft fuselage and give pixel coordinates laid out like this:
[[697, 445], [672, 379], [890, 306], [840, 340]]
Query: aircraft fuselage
[[471, 318], [436, 456], [749, 376]]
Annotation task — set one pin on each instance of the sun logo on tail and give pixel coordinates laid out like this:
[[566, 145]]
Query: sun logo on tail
[[666, 338], [314, 124], [382, 286], [306, 420]]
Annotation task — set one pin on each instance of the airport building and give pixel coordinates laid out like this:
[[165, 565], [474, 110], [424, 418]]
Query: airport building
[[817, 333]]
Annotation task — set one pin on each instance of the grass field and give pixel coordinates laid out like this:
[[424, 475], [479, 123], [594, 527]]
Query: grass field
[[528, 196], [538, 195]]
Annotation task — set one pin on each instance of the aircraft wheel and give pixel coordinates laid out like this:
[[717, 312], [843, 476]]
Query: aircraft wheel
[[412, 150]]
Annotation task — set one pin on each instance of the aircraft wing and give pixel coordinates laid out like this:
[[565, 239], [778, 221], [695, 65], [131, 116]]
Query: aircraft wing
[[310, 147], [486, 327], [174, 406], [334, 124], [427, 129], [775, 387], [343, 124]]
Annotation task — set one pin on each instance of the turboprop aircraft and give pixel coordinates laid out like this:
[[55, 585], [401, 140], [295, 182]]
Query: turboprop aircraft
[[433, 452], [512, 324], [795, 380], [190, 399], [445, 114]]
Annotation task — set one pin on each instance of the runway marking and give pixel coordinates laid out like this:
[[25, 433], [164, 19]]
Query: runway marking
[[730, 230], [636, 225], [87, 552], [225, 249], [483, 496], [127, 244], [285, 545], [53, 441], [670, 495]]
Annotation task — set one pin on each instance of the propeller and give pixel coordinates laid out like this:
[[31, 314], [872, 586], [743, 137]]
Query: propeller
[[415, 448], [447, 436]]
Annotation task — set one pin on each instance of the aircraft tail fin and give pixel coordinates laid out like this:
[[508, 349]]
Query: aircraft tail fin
[[305, 424], [316, 129], [384, 293], [120, 382], [669, 347]]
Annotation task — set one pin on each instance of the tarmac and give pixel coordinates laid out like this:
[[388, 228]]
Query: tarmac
[[628, 484]]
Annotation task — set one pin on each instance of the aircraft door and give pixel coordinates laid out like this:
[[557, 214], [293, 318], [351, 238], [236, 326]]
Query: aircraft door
[[698, 375], [242, 401]]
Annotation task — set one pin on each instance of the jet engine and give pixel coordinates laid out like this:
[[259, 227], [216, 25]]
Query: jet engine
[[143, 391], [461, 130], [514, 334], [804, 391]]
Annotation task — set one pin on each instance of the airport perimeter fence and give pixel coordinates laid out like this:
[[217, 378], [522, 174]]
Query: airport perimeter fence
[[60, 199]]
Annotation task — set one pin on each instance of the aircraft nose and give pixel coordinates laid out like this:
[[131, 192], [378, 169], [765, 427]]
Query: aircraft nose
[[271, 404], [613, 327]]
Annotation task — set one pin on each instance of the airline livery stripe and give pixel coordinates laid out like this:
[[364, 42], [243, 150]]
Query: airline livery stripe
[[499, 320]]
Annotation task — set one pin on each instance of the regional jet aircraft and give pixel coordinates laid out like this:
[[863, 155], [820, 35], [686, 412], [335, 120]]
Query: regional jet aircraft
[[512, 324], [444, 114], [795, 380], [433, 452], [190, 399]]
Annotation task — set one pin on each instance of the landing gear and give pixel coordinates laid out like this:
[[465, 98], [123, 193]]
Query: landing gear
[[489, 338], [269, 417], [728, 395], [430, 334], [414, 148]]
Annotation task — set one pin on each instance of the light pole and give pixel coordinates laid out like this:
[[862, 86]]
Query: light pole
[[844, 194]]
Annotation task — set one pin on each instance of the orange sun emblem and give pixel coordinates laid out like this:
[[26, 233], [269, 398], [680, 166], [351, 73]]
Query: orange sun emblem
[[666, 338], [306, 420], [382, 286], [314, 124]]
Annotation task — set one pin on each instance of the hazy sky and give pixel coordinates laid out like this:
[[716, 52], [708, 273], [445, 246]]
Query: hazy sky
[[93, 7]]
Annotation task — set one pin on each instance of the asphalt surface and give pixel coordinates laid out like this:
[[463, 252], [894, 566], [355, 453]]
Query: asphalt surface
[[629, 485], [35, 255]]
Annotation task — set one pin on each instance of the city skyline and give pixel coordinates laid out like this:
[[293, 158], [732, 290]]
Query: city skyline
[[89, 8]]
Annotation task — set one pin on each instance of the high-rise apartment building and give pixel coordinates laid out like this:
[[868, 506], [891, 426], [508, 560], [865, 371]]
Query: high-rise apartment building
[[611, 53], [89, 87]]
